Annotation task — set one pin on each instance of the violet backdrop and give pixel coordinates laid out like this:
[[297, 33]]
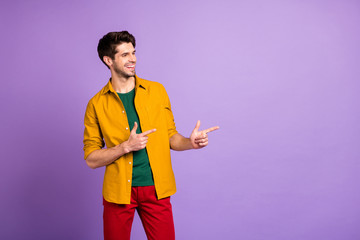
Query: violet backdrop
[[281, 79]]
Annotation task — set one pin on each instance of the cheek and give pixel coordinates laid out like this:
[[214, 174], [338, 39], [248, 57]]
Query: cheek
[[120, 63], [125, 61]]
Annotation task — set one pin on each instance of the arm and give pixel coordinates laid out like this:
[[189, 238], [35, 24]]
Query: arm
[[198, 139], [180, 143], [103, 157]]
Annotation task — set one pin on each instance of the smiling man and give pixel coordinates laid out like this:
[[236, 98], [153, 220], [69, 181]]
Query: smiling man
[[133, 117]]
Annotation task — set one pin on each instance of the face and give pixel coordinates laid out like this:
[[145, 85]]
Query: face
[[124, 60]]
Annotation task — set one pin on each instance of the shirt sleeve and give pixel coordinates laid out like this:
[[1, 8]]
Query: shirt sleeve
[[169, 115], [93, 138]]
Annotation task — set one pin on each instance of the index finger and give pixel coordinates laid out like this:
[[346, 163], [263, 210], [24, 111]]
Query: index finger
[[148, 132], [211, 129]]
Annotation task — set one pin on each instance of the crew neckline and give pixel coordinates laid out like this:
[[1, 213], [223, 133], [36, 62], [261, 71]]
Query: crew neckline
[[127, 92]]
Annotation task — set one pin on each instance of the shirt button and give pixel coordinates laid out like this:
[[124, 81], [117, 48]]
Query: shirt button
[[129, 162], [129, 180], [126, 128], [123, 111]]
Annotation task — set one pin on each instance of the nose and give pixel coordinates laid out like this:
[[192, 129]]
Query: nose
[[133, 58]]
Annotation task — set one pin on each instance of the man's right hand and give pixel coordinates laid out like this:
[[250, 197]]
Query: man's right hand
[[137, 142], [103, 157]]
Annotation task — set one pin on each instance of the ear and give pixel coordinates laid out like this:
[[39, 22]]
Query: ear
[[107, 60]]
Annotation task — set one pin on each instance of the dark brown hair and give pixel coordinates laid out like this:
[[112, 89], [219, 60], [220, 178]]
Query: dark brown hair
[[108, 43]]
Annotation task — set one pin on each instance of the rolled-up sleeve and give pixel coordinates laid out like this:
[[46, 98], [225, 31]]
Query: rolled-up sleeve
[[93, 138], [169, 115]]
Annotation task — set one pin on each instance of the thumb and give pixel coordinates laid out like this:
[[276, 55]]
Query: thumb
[[133, 131], [197, 126]]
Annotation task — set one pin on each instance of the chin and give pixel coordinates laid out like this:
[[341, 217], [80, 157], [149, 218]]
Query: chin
[[129, 75]]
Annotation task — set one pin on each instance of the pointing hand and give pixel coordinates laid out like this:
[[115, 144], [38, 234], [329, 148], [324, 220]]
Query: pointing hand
[[199, 139], [137, 142]]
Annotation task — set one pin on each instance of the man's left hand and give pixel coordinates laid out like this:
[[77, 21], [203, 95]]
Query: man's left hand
[[199, 139]]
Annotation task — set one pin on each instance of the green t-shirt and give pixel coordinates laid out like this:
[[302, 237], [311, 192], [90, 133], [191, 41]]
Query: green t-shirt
[[142, 175]]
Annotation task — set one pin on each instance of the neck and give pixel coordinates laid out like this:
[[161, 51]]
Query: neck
[[122, 84]]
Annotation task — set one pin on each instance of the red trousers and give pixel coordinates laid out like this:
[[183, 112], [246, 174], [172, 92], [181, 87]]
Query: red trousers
[[156, 216]]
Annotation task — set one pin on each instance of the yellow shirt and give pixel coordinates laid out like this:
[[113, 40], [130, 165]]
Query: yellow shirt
[[106, 123]]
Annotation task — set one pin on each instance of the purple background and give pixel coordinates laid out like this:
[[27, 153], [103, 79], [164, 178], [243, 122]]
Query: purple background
[[281, 79]]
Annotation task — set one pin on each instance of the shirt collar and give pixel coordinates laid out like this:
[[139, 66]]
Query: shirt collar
[[139, 84]]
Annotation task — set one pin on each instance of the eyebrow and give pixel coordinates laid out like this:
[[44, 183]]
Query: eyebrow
[[126, 52]]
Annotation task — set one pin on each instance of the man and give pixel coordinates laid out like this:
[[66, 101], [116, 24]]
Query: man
[[133, 117]]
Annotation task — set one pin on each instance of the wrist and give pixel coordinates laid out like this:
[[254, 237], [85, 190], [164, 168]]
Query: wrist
[[190, 143], [123, 148]]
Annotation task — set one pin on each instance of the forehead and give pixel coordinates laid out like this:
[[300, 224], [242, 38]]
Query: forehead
[[124, 47]]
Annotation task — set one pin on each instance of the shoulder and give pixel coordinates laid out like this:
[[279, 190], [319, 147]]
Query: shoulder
[[152, 87], [155, 90], [150, 84]]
